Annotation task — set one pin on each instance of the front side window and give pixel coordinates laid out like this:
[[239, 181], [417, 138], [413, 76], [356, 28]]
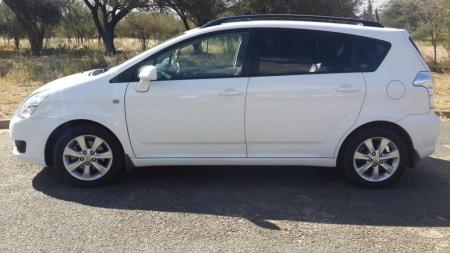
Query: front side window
[[214, 56], [287, 52], [217, 56]]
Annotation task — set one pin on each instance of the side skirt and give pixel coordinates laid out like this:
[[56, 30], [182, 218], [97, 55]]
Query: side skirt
[[320, 162]]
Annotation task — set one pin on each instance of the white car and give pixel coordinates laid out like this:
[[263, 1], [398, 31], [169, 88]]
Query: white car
[[248, 90]]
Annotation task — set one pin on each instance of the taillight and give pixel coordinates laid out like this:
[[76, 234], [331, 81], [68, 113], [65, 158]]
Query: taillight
[[424, 79]]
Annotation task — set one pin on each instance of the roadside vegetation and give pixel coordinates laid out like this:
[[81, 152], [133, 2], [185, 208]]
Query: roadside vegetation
[[44, 40]]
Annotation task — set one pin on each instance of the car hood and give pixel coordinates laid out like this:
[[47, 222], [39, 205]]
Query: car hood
[[71, 81]]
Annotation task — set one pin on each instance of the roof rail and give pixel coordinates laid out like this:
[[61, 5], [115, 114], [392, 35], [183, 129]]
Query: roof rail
[[291, 17]]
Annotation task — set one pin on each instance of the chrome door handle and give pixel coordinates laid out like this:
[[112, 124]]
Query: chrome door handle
[[347, 89], [231, 92]]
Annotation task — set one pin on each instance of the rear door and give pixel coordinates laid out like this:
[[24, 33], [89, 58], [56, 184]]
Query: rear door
[[305, 93]]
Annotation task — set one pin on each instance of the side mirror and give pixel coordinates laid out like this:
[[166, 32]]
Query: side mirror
[[146, 75]]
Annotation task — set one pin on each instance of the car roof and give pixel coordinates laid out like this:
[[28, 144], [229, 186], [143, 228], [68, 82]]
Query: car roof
[[308, 25]]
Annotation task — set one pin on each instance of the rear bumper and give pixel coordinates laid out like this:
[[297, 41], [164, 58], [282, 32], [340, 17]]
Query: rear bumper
[[34, 132], [424, 131]]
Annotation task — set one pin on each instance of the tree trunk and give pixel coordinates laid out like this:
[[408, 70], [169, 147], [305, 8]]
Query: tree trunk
[[434, 42], [183, 17], [185, 23], [17, 42], [36, 42], [108, 40], [197, 46], [143, 44]]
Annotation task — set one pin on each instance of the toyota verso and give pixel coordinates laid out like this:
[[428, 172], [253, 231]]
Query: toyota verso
[[248, 90]]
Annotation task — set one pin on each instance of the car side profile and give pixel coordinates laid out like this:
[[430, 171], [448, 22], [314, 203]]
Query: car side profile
[[246, 90]]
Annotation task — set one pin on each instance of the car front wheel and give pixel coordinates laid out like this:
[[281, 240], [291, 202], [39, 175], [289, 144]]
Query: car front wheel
[[88, 156]]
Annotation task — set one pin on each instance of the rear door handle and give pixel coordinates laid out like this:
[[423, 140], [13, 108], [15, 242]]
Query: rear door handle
[[347, 89], [231, 92]]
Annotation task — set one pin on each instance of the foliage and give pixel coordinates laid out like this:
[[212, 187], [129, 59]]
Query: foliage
[[343, 8], [199, 11], [368, 12], [37, 18], [426, 19], [76, 22], [399, 13], [107, 14], [144, 26], [9, 26], [434, 16]]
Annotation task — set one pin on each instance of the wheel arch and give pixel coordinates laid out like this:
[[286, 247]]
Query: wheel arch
[[49, 145], [382, 124]]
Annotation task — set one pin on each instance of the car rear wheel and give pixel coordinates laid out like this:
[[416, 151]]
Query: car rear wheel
[[375, 158], [88, 156]]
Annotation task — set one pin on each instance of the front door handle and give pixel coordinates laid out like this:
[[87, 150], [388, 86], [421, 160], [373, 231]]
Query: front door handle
[[347, 89], [231, 92]]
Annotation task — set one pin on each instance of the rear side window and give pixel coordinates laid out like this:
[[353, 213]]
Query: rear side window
[[290, 52], [285, 52], [372, 53]]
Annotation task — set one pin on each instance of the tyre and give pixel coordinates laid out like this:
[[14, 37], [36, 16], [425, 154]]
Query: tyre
[[374, 158], [88, 156]]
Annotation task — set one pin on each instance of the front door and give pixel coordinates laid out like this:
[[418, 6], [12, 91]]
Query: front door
[[196, 107]]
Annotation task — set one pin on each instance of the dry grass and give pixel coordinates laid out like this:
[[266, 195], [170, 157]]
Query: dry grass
[[427, 51], [442, 91], [20, 73]]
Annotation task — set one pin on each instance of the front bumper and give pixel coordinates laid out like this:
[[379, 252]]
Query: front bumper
[[424, 130], [35, 133]]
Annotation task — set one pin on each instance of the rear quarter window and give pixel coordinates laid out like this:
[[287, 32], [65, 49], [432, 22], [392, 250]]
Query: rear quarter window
[[372, 53]]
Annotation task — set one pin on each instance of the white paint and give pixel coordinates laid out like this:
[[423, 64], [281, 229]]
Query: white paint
[[289, 120], [396, 90]]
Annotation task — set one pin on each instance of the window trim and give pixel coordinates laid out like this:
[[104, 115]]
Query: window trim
[[245, 66], [249, 68], [257, 51], [416, 47]]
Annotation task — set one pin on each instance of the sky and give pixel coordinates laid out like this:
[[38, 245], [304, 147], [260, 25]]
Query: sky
[[378, 3]]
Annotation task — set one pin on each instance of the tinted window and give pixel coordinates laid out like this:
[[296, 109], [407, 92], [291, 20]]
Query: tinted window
[[372, 53], [284, 52]]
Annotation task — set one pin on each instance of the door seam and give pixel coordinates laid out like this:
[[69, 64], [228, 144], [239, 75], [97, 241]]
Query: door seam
[[245, 118], [126, 119]]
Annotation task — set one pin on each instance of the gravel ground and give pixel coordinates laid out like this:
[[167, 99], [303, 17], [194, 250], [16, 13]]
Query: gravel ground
[[225, 209]]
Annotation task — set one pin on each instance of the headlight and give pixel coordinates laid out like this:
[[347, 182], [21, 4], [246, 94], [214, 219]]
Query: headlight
[[31, 103]]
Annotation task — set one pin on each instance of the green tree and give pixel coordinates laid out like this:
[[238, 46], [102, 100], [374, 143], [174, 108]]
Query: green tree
[[400, 14], [76, 22], [426, 19], [435, 19], [199, 11], [368, 12], [37, 18], [10, 27], [145, 26], [343, 8], [107, 14]]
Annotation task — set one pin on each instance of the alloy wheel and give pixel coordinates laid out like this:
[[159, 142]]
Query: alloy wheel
[[87, 157], [376, 159]]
